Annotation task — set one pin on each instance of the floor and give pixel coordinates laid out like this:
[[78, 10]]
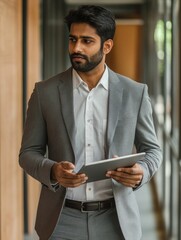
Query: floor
[[149, 216]]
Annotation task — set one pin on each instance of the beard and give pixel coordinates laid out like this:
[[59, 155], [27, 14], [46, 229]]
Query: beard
[[89, 62]]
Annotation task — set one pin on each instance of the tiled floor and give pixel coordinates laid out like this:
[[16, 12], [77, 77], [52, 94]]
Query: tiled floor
[[148, 215]]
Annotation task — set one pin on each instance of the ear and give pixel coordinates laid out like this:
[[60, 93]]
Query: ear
[[108, 44]]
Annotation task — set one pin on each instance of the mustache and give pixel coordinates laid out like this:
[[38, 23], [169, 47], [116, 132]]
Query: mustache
[[78, 55]]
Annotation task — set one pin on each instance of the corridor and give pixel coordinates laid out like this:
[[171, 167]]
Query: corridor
[[147, 49]]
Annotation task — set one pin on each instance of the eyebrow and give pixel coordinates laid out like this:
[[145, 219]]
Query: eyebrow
[[84, 37]]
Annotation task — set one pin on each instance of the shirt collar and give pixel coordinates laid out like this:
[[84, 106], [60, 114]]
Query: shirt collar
[[77, 80]]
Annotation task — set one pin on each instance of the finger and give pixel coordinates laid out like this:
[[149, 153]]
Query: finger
[[67, 165], [126, 182], [67, 182], [120, 174], [71, 176], [135, 169], [130, 171], [125, 178], [132, 185], [134, 177], [133, 180]]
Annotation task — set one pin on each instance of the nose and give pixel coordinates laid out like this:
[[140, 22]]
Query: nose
[[77, 48]]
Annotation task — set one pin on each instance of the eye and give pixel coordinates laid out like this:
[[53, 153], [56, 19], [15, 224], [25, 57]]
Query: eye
[[87, 41], [71, 39]]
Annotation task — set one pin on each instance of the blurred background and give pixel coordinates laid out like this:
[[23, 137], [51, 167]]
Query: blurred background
[[147, 48]]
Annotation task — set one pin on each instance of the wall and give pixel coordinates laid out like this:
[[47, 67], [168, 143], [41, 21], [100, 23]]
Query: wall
[[11, 211], [12, 196], [33, 67], [125, 57]]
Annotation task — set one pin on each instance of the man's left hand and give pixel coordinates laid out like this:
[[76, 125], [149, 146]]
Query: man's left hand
[[129, 176]]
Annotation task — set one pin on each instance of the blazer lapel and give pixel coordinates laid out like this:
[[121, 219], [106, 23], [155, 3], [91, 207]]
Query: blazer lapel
[[66, 101], [115, 104]]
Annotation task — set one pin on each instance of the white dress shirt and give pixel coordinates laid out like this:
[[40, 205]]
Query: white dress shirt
[[90, 113]]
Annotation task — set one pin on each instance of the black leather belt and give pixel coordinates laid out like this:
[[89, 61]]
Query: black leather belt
[[90, 206]]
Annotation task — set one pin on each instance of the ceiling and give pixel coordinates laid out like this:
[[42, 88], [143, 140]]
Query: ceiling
[[112, 2]]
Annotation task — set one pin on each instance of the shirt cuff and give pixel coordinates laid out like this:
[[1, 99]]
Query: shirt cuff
[[55, 186]]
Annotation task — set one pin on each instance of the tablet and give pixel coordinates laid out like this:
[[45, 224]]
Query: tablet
[[97, 170]]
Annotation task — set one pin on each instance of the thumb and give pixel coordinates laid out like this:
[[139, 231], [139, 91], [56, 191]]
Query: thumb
[[67, 165]]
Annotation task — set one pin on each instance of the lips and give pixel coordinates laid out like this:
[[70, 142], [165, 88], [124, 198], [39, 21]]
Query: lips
[[77, 57]]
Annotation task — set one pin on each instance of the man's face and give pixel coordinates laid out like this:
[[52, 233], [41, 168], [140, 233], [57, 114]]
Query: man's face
[[84, 47]]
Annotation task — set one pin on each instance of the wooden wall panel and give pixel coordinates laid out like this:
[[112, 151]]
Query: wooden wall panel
[[33, 75], [125, 57], [11, 210]]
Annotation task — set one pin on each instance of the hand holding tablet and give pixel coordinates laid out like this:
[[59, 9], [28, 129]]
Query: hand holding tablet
[[97, 170]]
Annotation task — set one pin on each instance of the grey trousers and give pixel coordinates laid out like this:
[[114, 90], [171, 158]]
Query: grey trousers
[[97, 225]]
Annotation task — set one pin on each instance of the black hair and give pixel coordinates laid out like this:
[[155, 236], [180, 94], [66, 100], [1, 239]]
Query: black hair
[[98, 17]]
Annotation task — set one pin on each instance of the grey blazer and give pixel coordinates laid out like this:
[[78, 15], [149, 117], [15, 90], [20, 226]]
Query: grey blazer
[[50, 125]]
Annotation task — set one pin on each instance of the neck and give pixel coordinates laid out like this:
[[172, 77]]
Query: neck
[[92, 77]]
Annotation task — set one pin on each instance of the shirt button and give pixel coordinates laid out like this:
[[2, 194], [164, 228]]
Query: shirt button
[[90, 189], [88, 144]]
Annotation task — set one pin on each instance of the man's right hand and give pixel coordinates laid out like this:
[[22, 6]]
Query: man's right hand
[[63, 173]]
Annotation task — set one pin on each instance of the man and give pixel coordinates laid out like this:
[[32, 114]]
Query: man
[[82, 115]]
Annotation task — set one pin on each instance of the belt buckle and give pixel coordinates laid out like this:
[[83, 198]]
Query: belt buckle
[[82, 208], [86, 211]]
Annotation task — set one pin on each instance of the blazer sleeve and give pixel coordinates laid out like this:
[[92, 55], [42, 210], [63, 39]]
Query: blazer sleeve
[[146, 139], [32, 157]]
